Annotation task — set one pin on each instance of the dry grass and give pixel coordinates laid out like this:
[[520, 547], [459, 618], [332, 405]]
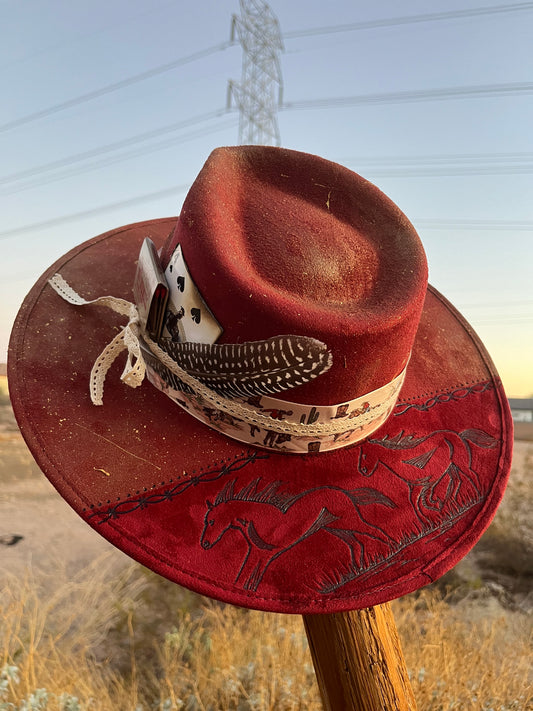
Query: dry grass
[[507, 545], [106, 642], [468, 656]]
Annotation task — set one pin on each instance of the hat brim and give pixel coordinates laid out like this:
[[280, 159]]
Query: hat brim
[[314, 533]]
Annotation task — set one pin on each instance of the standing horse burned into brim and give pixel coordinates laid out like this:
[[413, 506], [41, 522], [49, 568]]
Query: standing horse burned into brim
[[273, 522]]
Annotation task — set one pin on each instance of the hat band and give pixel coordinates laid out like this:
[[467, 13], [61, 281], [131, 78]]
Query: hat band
[[269, 422], [260, 420]]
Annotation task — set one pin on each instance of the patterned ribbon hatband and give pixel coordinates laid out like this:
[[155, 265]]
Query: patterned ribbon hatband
[[248, 412]]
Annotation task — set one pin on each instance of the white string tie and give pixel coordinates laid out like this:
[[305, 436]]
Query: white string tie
[[128, 339]]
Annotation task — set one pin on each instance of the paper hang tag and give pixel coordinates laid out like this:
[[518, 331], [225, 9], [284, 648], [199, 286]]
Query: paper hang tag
[[150, 290], [188, 318]]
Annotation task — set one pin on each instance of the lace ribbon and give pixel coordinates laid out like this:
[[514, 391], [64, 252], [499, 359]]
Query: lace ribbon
[[128, 339], [135, 369]]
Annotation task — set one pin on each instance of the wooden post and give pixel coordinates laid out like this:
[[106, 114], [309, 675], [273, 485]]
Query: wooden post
[[358, 661]]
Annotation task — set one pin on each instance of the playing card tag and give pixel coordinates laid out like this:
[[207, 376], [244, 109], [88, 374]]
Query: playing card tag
[[187, 317], [150, 290]]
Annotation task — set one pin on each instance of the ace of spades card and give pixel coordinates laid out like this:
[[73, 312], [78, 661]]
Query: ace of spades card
[[188, 317]]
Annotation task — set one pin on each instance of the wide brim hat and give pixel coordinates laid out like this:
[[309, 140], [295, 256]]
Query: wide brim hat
[[277, 243]]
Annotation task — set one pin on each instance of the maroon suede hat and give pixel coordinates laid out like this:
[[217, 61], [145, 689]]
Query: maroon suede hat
[[322, 430]]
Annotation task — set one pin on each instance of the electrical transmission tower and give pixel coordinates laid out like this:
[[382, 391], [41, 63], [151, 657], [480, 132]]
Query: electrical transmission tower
[[260, 90]]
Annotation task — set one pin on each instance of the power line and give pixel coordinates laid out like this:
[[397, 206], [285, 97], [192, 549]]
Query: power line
[[108, 148], [511, 225], [451, 172], [143, 76], [442, 165], [122, 157], [395, 97], [162, 68], [446, 171], [442, 158], [497, 304], [502, 320], [402, 166], [409, 19], [145, 136], [109, 207], [375, 167], [446, 224]]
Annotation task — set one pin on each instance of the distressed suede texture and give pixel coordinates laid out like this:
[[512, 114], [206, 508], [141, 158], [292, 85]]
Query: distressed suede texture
[[311, 533], [284, 242]]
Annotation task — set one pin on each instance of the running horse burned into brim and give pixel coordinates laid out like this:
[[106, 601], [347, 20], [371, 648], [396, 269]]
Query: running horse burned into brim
[[437, 468], [291, 519]]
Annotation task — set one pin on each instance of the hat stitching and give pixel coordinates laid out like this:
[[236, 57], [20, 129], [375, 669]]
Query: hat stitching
[[442, 398], [453, 506], [180, 478], [430, 393], [319, 602], [195, 577], [143, 502], [315, 601], [394, 442]]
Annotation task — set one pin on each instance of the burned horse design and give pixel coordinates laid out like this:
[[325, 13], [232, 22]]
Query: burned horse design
[[435, 475], [291, 519], [437, 468]]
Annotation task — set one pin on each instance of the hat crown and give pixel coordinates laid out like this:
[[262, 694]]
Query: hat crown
[[282, 242]]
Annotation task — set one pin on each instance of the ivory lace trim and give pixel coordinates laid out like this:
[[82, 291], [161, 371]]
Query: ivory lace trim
[[135, 369]]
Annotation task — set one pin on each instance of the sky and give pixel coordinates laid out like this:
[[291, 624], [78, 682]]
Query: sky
[[110, 108]]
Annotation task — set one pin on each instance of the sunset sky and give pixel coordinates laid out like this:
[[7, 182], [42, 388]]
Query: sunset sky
[[110, 108]]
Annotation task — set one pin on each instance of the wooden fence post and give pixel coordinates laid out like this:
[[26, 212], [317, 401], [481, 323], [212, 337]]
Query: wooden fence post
[[359, 661]]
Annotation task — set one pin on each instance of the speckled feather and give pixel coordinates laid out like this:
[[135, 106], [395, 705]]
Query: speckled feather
[[252, 368]]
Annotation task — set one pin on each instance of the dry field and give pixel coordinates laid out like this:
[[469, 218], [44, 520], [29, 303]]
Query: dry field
[[82, 627]]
